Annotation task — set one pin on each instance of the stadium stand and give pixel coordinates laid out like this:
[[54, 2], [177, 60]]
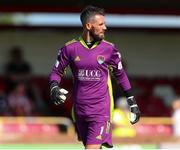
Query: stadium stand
[[150, 104]]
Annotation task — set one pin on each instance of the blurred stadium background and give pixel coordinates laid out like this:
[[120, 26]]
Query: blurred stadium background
[[146, 32]]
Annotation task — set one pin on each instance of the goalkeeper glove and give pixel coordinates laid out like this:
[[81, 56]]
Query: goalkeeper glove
[[134, 110], [58, 95]]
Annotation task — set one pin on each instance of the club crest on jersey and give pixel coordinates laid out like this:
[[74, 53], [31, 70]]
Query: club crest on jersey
[[100, 59]]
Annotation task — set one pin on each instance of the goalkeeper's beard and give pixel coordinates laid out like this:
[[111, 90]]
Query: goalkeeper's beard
[[95, 36]]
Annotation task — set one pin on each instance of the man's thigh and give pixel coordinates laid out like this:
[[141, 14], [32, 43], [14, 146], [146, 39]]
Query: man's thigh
[[82, 128], [94, 132], [99, 133]]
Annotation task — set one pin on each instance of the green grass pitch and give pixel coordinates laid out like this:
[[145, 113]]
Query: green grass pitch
[[68, 147]]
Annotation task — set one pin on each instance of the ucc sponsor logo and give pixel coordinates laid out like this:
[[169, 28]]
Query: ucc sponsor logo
[[89, 75]]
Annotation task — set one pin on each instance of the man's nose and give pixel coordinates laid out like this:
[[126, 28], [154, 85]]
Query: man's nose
[[104, 27]]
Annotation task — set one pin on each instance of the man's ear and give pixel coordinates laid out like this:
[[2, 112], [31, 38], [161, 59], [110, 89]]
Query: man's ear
[[88, 26]]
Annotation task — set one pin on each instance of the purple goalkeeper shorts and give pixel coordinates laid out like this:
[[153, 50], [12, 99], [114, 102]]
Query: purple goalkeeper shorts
[[94, 132]]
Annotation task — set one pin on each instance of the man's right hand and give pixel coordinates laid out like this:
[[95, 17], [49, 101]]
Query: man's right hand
[[58, 95]]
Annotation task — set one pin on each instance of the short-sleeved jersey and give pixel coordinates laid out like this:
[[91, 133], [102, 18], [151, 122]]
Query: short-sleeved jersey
[[92, 94]]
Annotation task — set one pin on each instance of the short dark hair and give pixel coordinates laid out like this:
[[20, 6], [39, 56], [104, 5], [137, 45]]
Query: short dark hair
[[90, 11]]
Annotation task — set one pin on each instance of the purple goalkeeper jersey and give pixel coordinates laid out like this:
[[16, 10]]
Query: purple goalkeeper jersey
[[92, 96]]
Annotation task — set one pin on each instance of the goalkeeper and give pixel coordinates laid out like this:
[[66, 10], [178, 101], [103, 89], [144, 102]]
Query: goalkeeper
[[89, 58]]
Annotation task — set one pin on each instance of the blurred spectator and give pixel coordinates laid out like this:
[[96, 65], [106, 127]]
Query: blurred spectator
[[121, 123], [17, 68], [3, 102], [176, 117], [18, 101]]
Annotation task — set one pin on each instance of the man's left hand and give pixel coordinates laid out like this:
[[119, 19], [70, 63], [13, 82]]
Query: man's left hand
[[134, 110]]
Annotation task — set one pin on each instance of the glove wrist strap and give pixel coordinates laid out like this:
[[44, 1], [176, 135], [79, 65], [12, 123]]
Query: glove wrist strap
[[134, 105], [131, 101], [130, 97], [53, 84], [53, 87]]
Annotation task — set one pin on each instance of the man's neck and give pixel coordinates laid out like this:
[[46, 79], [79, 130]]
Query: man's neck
[[87, 37]]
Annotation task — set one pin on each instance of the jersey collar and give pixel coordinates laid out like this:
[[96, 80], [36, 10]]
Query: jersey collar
[[85, 45]]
